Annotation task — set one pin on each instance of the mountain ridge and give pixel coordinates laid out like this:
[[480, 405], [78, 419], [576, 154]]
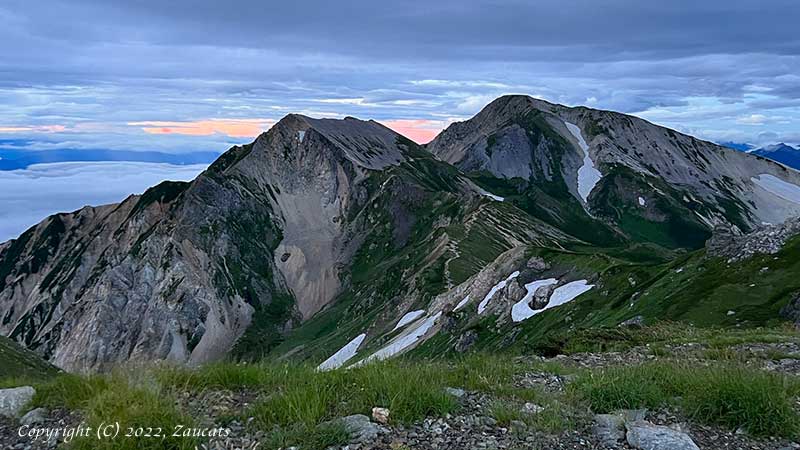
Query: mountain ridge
[[322, 230]]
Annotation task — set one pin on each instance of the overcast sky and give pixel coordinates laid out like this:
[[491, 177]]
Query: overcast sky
[[199, 75]]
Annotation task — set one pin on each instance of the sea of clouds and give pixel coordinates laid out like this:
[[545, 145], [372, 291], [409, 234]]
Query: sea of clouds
[[27, 196]]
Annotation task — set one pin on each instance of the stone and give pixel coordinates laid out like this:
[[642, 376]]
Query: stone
[[380, 415], [542, 296], [455, 392], [609, 428], [466, 341], [537, 264], [518, 425], [34, 417], [13, 400], [633, 322], [646, 436], [632, 415], [360, 428], [531, 408]]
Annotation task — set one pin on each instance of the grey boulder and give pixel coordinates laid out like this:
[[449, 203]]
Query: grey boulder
[[646, 436], [13, 400], [34, 417], [360, 428]]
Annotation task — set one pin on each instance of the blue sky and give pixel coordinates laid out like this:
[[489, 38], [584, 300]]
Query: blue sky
[[187, 76]]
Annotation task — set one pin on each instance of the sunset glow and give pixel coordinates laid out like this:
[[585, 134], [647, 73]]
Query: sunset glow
[[228, 127], [418, 130]]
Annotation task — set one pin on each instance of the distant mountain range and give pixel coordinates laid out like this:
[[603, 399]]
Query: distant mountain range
[[782, 153], [14, 159]]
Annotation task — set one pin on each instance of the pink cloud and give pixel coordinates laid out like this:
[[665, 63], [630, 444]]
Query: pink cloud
[[229, 127], [420, 131]]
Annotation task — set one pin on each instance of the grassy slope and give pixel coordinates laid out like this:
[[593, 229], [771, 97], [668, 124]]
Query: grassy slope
[[684, 287], [16, 362]]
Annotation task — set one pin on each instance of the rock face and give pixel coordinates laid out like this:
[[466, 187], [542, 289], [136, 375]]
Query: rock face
[[179, 272], [13, 400], [765, 240]]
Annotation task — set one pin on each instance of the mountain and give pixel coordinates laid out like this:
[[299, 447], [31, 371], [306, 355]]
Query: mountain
[[782, 153], [340, 241], [654, 184]]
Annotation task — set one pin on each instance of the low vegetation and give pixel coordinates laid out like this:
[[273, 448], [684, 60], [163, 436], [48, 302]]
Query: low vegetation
[[723, 394], [295, 405]]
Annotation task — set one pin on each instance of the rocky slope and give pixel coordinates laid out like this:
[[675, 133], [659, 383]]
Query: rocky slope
[[341, 241], [646, 181]]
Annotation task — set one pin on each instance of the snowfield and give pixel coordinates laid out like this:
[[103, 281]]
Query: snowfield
[[343, 355], [642, 201], [495, 288], [522, 309], [405, 341], [588, 175], [461, 304], [567, 293], [776, 186], [496, 198], [408, 318]]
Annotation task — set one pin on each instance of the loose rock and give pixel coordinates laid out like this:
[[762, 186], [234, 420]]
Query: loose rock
[[34, 417], [13, 400], [646, 436], [380, 415]]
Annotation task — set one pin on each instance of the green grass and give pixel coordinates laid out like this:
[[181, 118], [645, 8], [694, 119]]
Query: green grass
[[136, 408], [557, 416], [297, 406], [17, 362], [727, 395], [70, 391]]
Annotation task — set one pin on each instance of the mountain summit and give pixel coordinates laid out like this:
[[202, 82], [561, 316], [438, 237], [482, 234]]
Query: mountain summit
[[341, 241]]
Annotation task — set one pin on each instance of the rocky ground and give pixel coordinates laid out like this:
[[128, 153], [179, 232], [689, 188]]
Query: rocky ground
[[474, 427]]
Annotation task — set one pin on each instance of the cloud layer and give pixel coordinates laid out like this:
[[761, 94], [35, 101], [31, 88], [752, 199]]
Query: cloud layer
[[201, 75], [30, 195]]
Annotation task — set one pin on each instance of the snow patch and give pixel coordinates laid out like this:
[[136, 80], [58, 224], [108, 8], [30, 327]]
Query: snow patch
[[776, 186], [522, 309], [496, 198], [300, 135], [405, 341], [494, 290], [461, 304], [642, 201], [408, 318], [566, 293], [588, 175], [343, 355]]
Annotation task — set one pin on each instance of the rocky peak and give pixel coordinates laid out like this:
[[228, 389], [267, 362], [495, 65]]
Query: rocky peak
[[366, 143]]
